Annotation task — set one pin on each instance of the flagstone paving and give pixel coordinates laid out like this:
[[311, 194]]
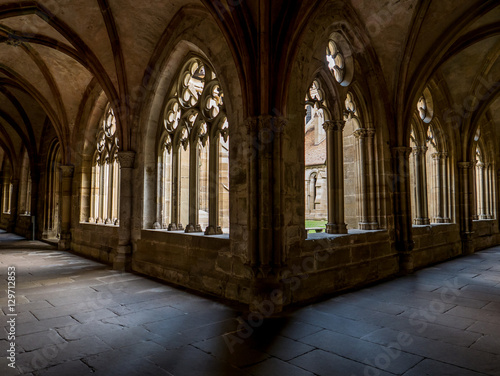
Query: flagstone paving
[[78, 317]]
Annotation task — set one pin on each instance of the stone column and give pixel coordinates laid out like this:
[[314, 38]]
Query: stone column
[[402, 207], [176, 187], [194, 190], [363, 197], [67, 172], [335, 175], [213, 187], [372, 189], [475, 215], [5, 194], [489, 202], [446, 189], [123, 255], [439, 193], [35, 187], [481, 190], [421, 215], [13, 204], [466, 205]]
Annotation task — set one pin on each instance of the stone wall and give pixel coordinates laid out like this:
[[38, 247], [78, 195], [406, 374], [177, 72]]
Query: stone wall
[[486, 233], [435, 243], [98, 242], [24, 226], [199, 262], [332, 263]]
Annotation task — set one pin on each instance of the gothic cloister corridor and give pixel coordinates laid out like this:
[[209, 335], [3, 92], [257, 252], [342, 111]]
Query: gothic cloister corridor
[[79, 317]]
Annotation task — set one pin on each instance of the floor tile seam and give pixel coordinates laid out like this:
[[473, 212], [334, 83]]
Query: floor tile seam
[[355, 360], [366, 321], [436, 359]]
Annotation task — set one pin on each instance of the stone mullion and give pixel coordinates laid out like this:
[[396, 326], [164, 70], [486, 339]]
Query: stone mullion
[[438, 193], [101, 192], [194, 189], [422, 217], [445, 189], [5, 195], [123, 254], [175, 203], [13, 204], [417, 184], [361, 135], [372, 194], [67, 173], [493, 192], [213, 187], [487, 192], [335, 176], [481, 190], [111, 176], [475, 201], [402, 205], [490, 191], [466, 204], [161, 178]]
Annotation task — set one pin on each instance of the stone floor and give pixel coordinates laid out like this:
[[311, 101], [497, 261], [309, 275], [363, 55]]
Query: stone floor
[[78, 317]]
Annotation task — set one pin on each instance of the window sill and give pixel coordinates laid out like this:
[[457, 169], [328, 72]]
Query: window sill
[[434, 224], [182, 233], [354, 232], [99, 224]]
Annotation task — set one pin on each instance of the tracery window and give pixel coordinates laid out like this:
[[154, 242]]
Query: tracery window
[[336, 61], [105, 194], [484, 185], [422, 108], [315, 157], [193, 154]]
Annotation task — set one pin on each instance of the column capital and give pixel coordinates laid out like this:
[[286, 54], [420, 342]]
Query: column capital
[[464, 165], [480, 165], [401, 151], [439, 156], [419, 150], [251, 124], [273, 123], [360, 133], [67, 171], [126, 159], [334, 125], [370, 132]]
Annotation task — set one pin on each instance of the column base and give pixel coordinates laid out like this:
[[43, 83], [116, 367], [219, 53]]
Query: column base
[[175, 227], [64, 243], [193, 228], [368, 226], [213, 230], [421, 221], [334, 228], [438, 220], [406, 259], [364, 226], [123, 258], [467, 243], [483, 216]]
